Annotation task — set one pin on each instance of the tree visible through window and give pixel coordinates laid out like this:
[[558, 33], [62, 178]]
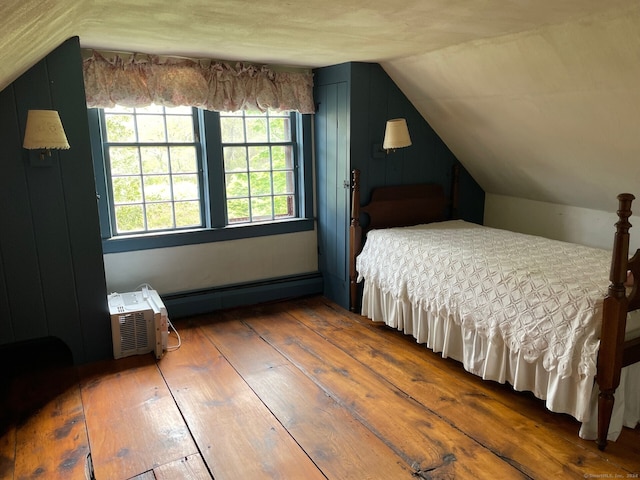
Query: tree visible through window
[[259, 166], [161, 177], [153, 169]]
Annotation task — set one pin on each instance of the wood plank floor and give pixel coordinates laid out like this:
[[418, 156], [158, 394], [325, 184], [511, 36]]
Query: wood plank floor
[[300, 389]]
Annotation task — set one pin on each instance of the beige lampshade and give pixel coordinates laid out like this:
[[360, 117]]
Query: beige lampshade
[[44, 131], [396, 134]]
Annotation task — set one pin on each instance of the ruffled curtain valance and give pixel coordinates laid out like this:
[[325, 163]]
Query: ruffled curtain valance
[[138, 80]]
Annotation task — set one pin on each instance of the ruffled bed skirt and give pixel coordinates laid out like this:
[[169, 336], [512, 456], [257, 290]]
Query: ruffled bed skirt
[[577, 397]]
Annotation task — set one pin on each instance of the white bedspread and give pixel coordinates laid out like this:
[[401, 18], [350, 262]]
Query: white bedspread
[[511, 307]]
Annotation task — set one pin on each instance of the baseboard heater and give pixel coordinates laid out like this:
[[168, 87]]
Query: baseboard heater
[[217, 298]]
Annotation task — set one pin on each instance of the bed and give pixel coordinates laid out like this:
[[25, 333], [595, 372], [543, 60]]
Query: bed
[[550, 317]]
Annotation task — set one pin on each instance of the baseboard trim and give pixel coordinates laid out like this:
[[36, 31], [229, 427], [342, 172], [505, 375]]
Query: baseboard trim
[[197, 302]]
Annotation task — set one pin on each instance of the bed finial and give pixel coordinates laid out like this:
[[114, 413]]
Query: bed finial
[[618, 273], [614, 320]]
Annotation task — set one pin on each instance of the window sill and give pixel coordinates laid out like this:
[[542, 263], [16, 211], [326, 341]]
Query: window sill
[[191, 237]]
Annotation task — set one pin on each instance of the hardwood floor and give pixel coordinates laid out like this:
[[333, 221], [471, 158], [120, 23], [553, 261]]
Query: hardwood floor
[[301, 390]]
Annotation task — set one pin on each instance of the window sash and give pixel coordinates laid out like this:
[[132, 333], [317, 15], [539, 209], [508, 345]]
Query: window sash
[[238, 165], [144, 178]]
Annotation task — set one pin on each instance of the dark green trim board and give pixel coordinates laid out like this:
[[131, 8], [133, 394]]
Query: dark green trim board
[[192, 237], [333, 189], [354, 101], [52, 272], [228, 296]]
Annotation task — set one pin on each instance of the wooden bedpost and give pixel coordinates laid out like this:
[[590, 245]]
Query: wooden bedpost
[[355, 239], [614, 321]]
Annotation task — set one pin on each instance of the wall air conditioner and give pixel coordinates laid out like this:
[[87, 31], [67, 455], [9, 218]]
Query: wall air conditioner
[[139, 323]]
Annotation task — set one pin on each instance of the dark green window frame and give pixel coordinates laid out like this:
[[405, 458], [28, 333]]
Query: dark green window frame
[[216, 227]]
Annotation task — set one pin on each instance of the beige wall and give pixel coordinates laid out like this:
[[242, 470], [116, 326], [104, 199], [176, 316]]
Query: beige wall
[[193, 267], [593, 228], [549, 113]]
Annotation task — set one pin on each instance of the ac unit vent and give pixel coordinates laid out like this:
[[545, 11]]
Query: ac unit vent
[[133, 332], [143, 328]]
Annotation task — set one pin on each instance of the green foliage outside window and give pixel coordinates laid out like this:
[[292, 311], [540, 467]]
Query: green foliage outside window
[[155, 180], [155, 177], [259, 176]]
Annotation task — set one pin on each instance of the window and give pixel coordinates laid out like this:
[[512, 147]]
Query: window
[[174, 176], [152, 161], [259, 166]]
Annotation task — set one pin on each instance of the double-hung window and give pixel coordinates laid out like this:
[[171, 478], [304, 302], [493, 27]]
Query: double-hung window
[[175, 176], [153, 169], [259, 166]]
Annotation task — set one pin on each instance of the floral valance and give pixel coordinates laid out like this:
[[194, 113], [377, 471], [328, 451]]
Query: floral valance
[[137, 80]]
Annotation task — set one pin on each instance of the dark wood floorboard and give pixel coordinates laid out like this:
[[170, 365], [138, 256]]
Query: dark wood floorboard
[[132, 419], [468, 403], [290, 390], [337, 442], [236, 433]]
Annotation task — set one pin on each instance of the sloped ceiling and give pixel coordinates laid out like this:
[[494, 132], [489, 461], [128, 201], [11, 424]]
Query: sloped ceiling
[[538, 99]]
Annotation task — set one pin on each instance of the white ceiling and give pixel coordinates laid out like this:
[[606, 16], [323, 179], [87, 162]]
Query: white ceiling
[[538, 99]]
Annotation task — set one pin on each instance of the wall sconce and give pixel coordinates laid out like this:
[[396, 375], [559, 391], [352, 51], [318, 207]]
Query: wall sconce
[[44, 132], [396, 135]]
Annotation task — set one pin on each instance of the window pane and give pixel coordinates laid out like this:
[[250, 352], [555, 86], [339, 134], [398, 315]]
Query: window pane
[[261, 209], [259, 158], [279, 130], [180, 129], [238, 210], [184, 160], [155, 159], [156, 188], [151, 128], [120, 128], [124, 160], [232, 130], [237, 185], [159, 216], [284, 206], [185, 187], [127, 190], [188, 214], [235, 159], [129, 218], [256, 130], [282, 157], [283, 182], [260, 183]]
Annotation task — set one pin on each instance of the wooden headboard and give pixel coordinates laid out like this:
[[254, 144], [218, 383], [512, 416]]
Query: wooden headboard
[[396, 206]]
